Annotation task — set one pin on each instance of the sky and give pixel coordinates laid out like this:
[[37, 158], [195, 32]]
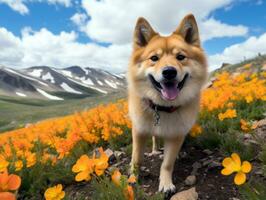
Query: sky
[[98, 33]]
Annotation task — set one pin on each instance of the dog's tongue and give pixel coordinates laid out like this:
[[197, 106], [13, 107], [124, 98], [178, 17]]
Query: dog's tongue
[[169, 92]]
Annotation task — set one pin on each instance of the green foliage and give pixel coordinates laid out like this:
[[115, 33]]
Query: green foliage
[[104, 189], [121, 141], [262, 157], [254, 191]]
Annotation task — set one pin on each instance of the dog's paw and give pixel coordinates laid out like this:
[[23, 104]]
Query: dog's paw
[[154, 153], [166, 187]]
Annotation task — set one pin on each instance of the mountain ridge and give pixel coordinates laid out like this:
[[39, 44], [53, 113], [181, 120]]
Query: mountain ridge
[[45, 82]]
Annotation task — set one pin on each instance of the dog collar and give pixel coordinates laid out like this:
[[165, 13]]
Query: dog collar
[[156, 107]]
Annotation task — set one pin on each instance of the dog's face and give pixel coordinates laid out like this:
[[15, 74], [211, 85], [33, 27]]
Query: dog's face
[[168, 70]]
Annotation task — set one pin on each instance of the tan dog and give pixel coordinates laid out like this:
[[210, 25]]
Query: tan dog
[[165, 78]]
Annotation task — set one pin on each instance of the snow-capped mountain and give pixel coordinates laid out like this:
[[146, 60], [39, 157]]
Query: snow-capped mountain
[[58, 84]]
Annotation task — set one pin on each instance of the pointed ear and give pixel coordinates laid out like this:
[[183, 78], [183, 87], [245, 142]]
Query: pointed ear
[[188, 29], [143, 32]]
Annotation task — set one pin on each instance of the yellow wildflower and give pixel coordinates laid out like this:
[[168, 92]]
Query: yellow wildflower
[[54, 193], [3, 164], [195, 130], [18, 165], [229, 113], [84, 168], [233, 164]]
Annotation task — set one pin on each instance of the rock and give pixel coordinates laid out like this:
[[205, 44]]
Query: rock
[[195, 166], [111, 155], [214, 164], [207, 151], [119, 154], [190, 194], [109, 152], [259, 172], [161, 156], [183, 154], [190, 180], [206, 162]]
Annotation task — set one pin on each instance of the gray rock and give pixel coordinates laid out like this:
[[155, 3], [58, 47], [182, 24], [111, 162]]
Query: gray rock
[[190, 180], [119, 154], [207, 151]]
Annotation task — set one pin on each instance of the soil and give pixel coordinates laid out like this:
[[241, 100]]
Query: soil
[[210, 184], [204, 164]]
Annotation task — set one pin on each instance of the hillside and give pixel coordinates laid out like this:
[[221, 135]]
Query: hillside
[[37, 93]]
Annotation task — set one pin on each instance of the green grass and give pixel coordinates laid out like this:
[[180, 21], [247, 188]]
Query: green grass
[[17, 112]]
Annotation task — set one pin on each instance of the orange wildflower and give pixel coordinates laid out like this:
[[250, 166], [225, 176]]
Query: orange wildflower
[[54, 193], [84, 168], [229, 113], [233, 164], [8, 183]]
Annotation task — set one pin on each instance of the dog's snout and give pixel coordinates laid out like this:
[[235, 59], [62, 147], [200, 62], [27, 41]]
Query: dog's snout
[[169, 73]]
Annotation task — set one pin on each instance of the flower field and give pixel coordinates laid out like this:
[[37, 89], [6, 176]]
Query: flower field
[[40, 160]]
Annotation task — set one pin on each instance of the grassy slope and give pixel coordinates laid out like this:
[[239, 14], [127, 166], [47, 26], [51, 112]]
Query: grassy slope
[[16, 112]]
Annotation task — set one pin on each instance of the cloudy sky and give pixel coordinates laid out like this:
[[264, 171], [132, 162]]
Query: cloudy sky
[[98, 33]]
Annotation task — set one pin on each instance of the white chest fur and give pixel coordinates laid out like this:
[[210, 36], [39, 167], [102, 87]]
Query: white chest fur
[[170, 124]]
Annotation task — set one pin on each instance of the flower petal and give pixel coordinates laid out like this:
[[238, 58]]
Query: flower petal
[[227, 171], [14, 182], [246, 167], [227, 162], [236, 158], [7, 196], [240, 178], [82, 176]]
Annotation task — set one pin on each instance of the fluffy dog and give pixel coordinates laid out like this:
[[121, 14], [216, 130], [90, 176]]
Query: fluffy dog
[[165, 77]]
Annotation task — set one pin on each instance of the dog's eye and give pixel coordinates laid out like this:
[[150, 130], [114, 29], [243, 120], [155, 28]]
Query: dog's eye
[[180, 57], [154, 58]]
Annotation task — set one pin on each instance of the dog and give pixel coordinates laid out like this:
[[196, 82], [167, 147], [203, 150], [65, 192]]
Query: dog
[[165, 77]]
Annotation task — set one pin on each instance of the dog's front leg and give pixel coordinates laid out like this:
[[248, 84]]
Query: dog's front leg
[[138, 147], [171, 150]]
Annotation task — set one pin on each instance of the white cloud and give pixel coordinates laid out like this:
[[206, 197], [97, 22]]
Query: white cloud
[[113, 21], [45, 48], [21, 7], [10, 48], [212, 28], [16, 5], [80, 20], [238, 52]]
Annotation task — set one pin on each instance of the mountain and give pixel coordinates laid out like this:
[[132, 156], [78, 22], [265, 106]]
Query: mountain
[[43, 82]]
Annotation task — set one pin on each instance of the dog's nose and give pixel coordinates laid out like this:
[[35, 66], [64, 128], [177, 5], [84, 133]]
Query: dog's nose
[[169, 73]]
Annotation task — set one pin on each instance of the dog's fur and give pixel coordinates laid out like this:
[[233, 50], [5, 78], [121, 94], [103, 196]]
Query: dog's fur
[[172, 127]]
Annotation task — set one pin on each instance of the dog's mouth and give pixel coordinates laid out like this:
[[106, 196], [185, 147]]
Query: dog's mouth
[[169, 89]]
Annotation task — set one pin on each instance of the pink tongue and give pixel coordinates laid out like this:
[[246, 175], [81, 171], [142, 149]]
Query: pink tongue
[[170, 93]]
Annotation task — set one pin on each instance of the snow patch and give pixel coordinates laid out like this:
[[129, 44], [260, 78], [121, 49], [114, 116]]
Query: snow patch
[[21, 94], [99, 82], [29, 78], [111, 84], [49, 96], [87, 81], [36, 72], [67, 73], [102, 91], [67, 88], [48, 77]]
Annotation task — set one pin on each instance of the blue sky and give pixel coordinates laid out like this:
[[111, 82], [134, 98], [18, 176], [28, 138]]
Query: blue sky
[[244, 19]]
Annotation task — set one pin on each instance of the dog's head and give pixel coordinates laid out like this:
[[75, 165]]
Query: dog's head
[[169, 70]]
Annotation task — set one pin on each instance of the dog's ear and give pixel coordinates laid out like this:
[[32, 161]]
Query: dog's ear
[[143, 33], [188, 29]]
